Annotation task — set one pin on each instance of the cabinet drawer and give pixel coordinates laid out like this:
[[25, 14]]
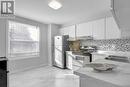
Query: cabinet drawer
[[78, 63]]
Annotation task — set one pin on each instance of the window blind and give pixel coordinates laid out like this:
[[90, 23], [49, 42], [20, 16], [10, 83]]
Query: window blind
[[23, 40]]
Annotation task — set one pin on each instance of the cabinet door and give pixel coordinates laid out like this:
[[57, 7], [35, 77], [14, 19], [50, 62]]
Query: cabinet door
[[68, 31], [112, 30], [90, 81], [99, 29], [69, 59], [84, 29]]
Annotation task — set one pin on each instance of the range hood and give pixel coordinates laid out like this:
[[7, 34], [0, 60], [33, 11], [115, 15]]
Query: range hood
[[121, 12], [81, 38]]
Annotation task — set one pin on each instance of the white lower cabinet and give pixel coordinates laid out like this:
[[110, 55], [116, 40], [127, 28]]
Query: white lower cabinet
[[88, 81], [69, 59], [74, 62], [77, 64], [71, 62]]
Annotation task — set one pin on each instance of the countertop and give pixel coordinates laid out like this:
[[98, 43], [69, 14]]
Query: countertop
[[119, 76], [116, 53], [100, 52]]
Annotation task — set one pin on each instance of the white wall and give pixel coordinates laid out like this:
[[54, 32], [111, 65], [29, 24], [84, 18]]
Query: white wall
[[2, 37], [125, 33], [53, 30], [28, 63]]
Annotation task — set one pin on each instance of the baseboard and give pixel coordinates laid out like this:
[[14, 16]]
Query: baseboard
[[28, 68]]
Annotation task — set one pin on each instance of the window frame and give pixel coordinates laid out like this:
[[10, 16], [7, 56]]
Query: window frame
[[8, 42]]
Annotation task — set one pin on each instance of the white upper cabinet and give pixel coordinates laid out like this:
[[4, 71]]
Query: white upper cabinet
[[112, 30], [68, 31], [105, 28], [84, 29], [99, 29]]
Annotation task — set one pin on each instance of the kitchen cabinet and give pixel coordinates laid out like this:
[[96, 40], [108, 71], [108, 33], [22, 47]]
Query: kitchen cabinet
[[119, 77], [72, 62], [77, 64], [69, 59], [99, 29], [89, 81], [70, 30], [105, 28], [112, 30], [84, 29]]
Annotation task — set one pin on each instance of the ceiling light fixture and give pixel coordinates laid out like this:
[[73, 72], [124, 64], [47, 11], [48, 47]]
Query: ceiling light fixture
[[55, 5]]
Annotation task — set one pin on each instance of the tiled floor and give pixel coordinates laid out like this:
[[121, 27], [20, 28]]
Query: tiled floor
[[44, 77]]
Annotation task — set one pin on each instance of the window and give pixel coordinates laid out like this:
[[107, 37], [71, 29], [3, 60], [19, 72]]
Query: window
[[23, 40]]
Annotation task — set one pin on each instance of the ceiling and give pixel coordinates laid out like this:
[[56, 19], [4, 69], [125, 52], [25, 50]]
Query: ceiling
[[73, 11]]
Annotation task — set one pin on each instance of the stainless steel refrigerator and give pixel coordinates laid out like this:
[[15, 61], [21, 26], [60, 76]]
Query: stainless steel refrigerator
[[60, 47]]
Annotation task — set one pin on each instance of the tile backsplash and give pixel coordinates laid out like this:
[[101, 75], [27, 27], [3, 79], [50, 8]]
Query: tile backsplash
[[109, 45]]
